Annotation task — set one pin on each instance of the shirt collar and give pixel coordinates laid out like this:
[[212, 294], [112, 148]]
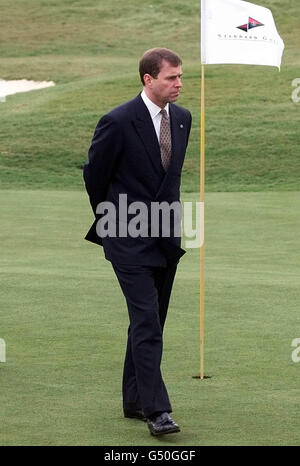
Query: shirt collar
[[152, 107]]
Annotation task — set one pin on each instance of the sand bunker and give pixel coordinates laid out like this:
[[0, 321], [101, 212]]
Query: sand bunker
[[21, 85]]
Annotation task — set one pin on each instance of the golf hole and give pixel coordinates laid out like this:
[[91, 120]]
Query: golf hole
[[204, 377]]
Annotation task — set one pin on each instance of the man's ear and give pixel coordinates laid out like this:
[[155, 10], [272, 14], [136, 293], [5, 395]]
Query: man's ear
[[147, 79]]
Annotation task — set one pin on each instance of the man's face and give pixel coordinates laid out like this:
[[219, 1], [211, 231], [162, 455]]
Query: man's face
[[166, 86]]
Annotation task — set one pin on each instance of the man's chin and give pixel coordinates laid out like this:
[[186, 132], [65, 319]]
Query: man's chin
[[173, 98]]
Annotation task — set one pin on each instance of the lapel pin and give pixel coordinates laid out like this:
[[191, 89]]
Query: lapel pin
[[181, 126]]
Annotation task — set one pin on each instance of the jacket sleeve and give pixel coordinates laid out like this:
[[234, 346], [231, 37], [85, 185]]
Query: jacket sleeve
[[103, 157]]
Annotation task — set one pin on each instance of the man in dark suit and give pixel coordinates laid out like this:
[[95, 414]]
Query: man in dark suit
[[136, 158]]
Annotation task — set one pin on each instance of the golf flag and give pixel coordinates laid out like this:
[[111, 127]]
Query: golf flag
[[238, 32]]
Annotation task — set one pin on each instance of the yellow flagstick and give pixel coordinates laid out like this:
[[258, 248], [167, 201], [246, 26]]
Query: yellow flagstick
[[202, 191]]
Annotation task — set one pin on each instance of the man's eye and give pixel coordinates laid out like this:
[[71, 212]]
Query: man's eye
[[173, 78]]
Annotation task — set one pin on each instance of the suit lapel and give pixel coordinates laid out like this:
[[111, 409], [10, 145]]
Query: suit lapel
[[146, 131], [177, 133]]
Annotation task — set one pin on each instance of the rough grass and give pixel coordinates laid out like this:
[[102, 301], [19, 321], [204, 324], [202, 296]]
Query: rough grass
[[91, 49]]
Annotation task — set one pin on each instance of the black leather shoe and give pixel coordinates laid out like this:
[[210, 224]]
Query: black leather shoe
[[137, 414], [162, 424]]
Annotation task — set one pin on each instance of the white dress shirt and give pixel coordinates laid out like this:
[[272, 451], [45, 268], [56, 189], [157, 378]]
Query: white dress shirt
[[154, 111]]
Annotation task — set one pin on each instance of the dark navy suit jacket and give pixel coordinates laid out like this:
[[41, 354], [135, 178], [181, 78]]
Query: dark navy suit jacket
[[124, 158]]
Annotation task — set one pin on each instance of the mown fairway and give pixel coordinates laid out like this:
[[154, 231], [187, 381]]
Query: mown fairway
[[63, 317]]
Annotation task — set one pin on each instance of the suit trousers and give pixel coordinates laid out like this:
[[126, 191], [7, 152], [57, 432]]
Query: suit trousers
[[147, 292]]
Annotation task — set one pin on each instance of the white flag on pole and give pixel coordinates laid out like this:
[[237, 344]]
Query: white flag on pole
[[238, 32]]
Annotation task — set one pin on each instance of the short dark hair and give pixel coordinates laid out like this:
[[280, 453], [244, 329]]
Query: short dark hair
[[152, 59]]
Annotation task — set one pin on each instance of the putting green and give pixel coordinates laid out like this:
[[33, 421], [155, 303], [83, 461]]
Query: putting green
[[64, 322]]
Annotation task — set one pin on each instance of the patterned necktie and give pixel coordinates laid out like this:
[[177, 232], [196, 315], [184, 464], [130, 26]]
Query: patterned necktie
[[165, 139]]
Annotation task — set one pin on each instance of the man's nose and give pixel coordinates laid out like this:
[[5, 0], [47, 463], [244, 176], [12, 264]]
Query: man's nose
[[178, 82]]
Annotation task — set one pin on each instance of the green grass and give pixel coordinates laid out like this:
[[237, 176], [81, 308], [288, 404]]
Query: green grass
[[63, 316], [64, 321], [91, 50]]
